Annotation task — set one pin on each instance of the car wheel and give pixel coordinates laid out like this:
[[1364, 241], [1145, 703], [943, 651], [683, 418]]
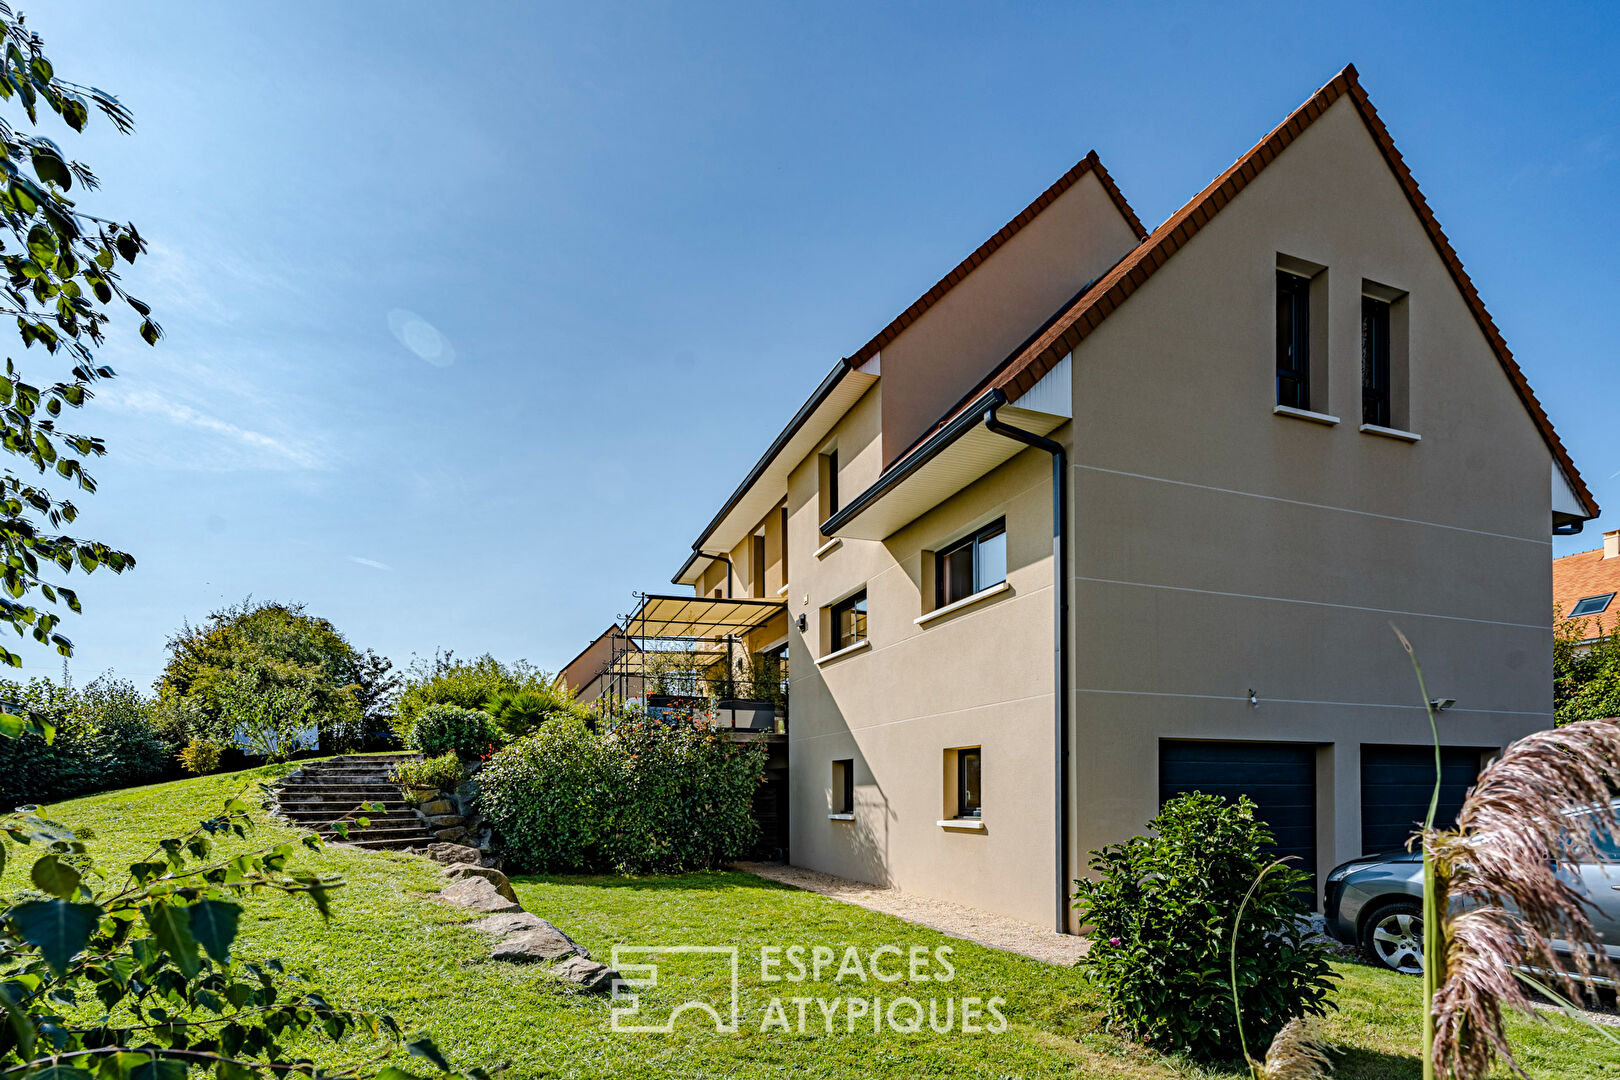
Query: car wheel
[[1393, 937]]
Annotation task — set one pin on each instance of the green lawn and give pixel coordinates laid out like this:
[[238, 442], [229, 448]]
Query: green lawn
[[390, 948]]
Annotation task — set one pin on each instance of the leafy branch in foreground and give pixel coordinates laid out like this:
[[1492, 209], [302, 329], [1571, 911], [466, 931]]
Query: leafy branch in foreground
[[60, 284], [136, 979]]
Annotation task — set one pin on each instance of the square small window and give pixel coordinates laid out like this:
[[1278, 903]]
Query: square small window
[[971, 565], [843, 786], [1591, 605], [849, 621], [1293, 340], [967, 783]]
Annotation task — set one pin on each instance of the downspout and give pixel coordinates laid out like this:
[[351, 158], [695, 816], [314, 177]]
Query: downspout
[[1060, 642], [730, 674], [725, 559]]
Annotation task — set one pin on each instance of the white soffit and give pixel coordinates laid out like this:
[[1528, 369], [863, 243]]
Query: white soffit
[[771, 487], [974, 454], [1054, 393], [1564, 499]]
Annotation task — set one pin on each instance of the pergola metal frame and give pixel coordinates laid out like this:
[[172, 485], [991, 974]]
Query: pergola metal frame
[[663, 624]]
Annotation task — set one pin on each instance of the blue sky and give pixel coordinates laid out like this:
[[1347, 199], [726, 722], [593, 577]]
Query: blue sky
[[475, 312]]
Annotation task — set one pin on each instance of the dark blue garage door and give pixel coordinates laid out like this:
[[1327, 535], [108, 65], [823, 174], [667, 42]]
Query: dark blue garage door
[[1279, 777], [1396, 784]]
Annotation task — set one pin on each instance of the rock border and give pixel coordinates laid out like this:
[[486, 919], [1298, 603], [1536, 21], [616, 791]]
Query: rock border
[[520, 937]]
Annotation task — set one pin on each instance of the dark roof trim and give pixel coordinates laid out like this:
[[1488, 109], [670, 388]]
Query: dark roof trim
[[1088, 312], [1091, 163], [806, 410], [929, 449]]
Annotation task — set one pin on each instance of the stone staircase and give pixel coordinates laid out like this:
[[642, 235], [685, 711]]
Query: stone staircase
[[325, 791]]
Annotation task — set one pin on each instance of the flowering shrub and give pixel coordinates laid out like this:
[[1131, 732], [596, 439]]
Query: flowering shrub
[[640, 796], [440, 729], [1161, 908]]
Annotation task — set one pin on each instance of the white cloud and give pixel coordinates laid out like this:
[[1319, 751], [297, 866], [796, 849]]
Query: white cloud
[[373, 563], [262, 451]]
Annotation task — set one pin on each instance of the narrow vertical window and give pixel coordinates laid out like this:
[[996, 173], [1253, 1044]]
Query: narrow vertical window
[[843, 786], [1375, 362], [1293, 340], [832, 482], [757, 556], [967, 783], [784, 546], [849, 621]]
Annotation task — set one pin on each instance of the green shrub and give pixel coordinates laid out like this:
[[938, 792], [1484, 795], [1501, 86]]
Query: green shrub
[[466, 684], [200, 756], [443, 773], [1161, 908], [442, 729], [641, 797]]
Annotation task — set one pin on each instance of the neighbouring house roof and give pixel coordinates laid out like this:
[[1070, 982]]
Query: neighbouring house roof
[[1091, 163], [1021, 371], [1586, 574], [826, 399], [583, 668]]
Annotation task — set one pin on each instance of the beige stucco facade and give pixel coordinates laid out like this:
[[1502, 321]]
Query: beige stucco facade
[[1217, 547]]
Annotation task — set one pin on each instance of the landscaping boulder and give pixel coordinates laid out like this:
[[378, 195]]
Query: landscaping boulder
[[509, 923], [478, 894], [529, 946], [454, 853], [445, 821], [437, 806], [585, 975], [456, 835], [458, 871]]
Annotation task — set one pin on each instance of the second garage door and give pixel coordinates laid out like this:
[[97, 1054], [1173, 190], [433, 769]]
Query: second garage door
[[1396, 785], [1279, 777]]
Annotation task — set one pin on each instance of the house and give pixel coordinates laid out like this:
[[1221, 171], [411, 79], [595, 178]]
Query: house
[[1584, 588], [587, 675], [1109, 514]]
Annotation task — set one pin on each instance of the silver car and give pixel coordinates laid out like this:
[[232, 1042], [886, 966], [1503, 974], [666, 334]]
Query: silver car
[[1376, 903]]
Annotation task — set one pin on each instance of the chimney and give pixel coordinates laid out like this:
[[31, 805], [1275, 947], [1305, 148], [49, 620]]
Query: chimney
[[1611, 544]]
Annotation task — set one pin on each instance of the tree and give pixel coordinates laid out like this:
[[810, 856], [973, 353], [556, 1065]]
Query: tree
[[271, 721], [274, 649], [61, 286], [1586, 675]]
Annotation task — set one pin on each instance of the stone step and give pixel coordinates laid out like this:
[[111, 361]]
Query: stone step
[[374, 833], [343, 806], [393, 845], [334, 813]]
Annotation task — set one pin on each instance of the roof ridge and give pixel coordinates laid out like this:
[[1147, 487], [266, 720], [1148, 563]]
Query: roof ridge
[[1091, 163], [1576, 554], [1018, 374]]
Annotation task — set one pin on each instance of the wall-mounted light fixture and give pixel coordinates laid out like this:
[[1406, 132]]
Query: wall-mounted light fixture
[[1254, 700], [804, 623], [1441, 704]]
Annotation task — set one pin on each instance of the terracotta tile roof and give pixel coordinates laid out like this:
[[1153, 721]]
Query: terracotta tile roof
[[1086, 312], [1091, 163], [1584, 574]]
